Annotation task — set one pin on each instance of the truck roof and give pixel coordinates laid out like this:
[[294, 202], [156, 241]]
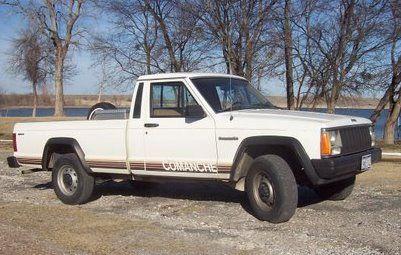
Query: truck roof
[[185, 75]]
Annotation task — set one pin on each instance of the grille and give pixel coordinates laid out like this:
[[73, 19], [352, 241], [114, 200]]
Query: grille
[[355, 139]]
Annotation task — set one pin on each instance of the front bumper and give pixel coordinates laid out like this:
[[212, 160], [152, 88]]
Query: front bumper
[[343, 166], [12, 162]]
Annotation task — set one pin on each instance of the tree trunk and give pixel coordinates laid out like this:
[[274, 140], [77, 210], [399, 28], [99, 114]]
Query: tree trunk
[[58, 84], [389, 128], [330, 104], [288, 56], [35, 99], [148, 62], [99, 96], [380, 106]]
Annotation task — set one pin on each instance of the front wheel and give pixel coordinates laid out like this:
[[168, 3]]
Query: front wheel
[[71, 183], [271, 189]]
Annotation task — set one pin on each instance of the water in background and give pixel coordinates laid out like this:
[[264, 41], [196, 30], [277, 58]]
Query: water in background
[[82, 111]]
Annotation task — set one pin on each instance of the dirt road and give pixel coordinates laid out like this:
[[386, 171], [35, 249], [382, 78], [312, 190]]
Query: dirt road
[[195, 218]]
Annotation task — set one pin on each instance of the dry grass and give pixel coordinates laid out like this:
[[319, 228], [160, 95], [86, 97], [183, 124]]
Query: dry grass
[[390, 147], [385, 174], [7, 123]]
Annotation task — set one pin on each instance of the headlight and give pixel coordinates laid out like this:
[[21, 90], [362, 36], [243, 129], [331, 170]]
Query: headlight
[[330, 143], [372, 135]]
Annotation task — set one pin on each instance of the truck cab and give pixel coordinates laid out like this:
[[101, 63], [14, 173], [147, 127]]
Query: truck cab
[[203, 126]]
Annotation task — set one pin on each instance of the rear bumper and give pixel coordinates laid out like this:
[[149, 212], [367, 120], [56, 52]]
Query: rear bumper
[[335, 168], [12, 162]]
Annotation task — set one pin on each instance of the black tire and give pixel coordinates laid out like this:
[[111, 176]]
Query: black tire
[[336, 191], [271, 174], [71, 183], [102, 106]]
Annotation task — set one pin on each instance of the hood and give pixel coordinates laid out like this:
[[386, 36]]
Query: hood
[[324, 119]]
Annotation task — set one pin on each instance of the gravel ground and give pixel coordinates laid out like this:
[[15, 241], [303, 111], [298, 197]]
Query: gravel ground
[[195, 218]]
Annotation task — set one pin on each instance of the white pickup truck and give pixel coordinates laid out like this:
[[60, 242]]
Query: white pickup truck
[[202, 126]]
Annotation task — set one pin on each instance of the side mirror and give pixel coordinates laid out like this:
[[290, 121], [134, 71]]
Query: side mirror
[[194, 111]]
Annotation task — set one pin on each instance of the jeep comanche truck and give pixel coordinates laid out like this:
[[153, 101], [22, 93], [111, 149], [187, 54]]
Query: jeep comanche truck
[[202, 126]]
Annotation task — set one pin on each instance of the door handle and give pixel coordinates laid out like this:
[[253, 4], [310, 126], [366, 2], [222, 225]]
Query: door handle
[[151, 125]]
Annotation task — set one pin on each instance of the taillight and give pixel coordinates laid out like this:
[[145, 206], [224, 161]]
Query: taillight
[[15, 142]]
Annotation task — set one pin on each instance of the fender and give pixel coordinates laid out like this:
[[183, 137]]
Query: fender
[[68, 142], [289, 142]]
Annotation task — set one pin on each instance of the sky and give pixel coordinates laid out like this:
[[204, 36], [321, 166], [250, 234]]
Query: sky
[[86, 79]]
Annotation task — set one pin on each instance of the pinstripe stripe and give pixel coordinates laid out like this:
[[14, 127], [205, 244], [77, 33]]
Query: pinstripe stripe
[[151, 166]]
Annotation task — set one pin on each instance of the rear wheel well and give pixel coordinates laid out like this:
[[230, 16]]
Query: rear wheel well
[[54, 151], [251, 152]]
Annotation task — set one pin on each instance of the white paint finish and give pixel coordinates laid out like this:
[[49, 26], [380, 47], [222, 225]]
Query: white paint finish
[[109, 170], [303, 126], [177, 138], [182, 174], [99, 139], [135, 131], [165, 76]]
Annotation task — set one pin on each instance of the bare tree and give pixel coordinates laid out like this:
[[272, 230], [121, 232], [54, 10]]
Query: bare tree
[[28, 59], [57, 20], [60, 15], [334, 44], [132, 44], [181, 33], [355, 38], [288, 55], [239, 29], [392, 95]]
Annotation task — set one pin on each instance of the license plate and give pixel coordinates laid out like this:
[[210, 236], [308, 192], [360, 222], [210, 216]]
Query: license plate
[[366, 162]]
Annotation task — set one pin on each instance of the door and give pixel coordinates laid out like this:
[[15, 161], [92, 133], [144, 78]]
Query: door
[[176, 145]]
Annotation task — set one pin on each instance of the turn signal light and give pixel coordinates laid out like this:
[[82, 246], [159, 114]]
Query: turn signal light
[[325, 145]]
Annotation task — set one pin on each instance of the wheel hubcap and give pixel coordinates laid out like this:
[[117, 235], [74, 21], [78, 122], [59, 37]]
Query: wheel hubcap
[[263, 191], [67, 180]]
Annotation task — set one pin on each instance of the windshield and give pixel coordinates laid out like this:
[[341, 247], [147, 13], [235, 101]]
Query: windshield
[[223, 96]]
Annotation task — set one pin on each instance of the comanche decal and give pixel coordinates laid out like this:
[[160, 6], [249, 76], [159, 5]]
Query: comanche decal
[[177, 166]]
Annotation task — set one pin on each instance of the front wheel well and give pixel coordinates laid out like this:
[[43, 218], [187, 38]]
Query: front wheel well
[[251, 152]]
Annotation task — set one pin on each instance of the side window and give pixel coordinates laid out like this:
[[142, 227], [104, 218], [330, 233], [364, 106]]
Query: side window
[[169, 99], [188, 98], [138, 102]]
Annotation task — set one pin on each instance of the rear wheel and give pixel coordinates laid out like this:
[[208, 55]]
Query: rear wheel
[[71, 183], [271, 189], [336, 191]]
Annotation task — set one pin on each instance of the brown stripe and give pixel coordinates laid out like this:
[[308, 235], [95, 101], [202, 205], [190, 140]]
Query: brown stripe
[[223, 171], [30, 162], [107, 164], [27, 160]]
